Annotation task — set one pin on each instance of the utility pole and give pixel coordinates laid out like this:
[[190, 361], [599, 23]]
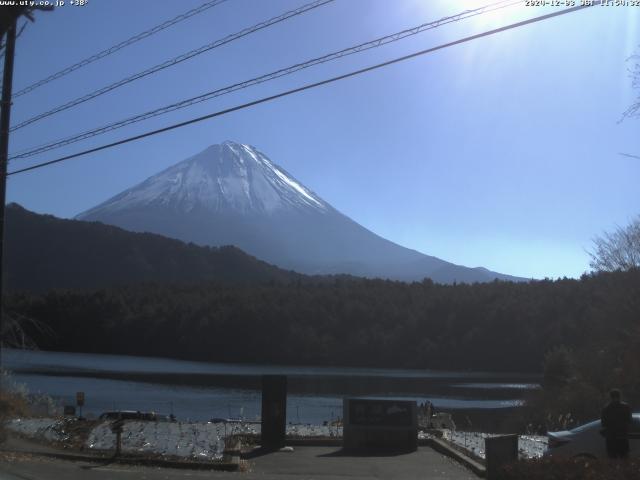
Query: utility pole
[[8, 23], [5, 120], [9, 14]]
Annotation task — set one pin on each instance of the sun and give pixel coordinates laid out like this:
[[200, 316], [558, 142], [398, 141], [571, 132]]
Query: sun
[[486, 14]]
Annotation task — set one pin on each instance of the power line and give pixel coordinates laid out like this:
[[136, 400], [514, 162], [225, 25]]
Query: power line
[[130, 41], [263, 78], [176, 60], [303, 88]]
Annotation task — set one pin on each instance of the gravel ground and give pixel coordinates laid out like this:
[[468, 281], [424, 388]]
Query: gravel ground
[[195, 440], [47, 429], [205, 441], [189, 440], [529, 446]]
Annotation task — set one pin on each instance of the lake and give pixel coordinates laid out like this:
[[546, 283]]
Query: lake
[[201, 390]]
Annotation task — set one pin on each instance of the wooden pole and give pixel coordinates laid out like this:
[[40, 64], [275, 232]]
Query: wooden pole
[[5, 120]]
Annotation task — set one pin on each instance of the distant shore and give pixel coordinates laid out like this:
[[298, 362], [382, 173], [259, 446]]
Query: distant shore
[[317, 384]]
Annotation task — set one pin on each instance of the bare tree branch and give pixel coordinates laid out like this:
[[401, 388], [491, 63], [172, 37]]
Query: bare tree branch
[[634, 74], [619, 250], [15, 328]]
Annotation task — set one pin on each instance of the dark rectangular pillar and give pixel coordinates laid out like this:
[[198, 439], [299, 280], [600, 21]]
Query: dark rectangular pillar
[[274, 411], [499, 451]]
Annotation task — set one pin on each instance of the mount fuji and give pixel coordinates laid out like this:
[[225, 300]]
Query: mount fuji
[[232, 194]]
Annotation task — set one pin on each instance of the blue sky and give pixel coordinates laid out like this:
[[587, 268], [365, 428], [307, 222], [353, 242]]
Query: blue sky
[[503, 152]]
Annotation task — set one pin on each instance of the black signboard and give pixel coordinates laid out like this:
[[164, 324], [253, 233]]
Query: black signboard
[[381, 413], [116, 426]]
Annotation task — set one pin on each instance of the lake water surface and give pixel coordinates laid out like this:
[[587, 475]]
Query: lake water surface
[[201, 391]]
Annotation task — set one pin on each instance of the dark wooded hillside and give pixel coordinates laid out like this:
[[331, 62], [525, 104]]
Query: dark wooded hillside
[[43, 252]]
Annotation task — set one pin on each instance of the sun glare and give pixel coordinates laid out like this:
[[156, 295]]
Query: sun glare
[[493, 14]]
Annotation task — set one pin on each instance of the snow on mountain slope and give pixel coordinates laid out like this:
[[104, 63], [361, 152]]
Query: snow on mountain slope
[[223, 178], [232, 194]]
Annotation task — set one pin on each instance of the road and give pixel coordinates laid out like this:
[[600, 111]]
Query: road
[[326, 463]]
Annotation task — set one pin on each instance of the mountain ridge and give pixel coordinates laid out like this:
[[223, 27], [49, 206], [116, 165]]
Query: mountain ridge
[[233, 194], [43, 252]]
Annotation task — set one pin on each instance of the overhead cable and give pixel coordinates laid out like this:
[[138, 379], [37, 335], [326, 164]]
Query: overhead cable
[[174, 61], [301, 89], [111, 50], [378, 42]]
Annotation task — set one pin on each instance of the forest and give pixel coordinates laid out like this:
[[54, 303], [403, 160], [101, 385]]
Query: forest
[[583, 334]]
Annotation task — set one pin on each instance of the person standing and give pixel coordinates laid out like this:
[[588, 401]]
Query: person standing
[[616, 420]]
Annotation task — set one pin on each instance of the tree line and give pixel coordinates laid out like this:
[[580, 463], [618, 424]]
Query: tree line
[[357, 322]]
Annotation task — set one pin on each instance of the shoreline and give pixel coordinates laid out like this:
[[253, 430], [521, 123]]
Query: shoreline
[[243, 368], [314, 384]]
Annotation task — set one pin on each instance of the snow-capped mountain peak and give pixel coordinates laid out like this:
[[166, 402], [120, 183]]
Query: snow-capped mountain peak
[[233, 194], [230, 177]]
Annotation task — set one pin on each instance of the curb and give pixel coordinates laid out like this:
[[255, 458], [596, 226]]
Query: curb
[[301, 441], [231, 459], [314, 442], [231, 464], [442, 447]]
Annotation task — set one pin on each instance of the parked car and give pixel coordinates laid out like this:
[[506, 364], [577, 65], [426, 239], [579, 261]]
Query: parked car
[[587, 440], [134, 415]]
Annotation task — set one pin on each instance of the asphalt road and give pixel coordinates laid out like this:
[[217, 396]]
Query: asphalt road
[[326, 463]]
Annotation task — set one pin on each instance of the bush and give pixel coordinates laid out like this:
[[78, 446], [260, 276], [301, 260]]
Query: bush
[[12, 405], [571, 469]]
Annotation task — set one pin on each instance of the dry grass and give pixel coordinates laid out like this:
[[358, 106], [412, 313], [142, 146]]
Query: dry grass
[[11, 405]]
